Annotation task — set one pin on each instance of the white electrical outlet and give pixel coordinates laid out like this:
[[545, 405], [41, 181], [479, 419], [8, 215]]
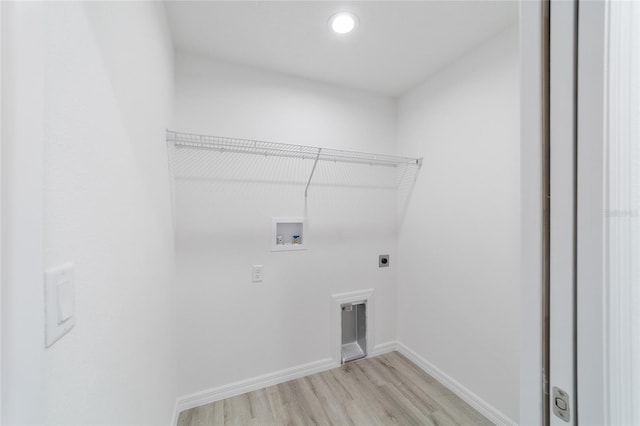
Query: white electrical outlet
[[256, 273]]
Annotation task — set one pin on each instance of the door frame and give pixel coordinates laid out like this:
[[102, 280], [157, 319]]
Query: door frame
[[534, 16], [591, 210], [563, 92]]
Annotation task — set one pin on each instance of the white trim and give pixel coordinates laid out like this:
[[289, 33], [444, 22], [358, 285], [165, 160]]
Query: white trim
[[482, 406], [336, 331], [531, 207], [562, 208], [592, 212], [1, 207], [238, 388], [611, 303], [176, 413], [384, 348]]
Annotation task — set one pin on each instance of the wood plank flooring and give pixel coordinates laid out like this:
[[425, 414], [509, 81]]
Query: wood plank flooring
[[385, 390]]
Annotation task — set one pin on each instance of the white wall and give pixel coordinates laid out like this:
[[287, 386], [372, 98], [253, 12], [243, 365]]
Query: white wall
[[458, 279], [22, 212], [106, 100], [229, 328], [91, 94]]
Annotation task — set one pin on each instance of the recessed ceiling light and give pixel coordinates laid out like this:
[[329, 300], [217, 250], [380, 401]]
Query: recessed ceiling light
[[343, 22]]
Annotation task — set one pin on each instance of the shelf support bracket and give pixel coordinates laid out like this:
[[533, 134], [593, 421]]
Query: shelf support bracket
[[315, 163]]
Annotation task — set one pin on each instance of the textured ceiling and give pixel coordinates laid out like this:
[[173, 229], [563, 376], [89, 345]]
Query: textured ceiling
[[396, 46]]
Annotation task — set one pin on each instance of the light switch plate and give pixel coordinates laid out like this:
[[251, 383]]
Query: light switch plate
[[59, 302], [64, 293]]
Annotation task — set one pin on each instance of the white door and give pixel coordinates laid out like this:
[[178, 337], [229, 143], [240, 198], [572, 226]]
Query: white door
[[594, 294], [608, 220]]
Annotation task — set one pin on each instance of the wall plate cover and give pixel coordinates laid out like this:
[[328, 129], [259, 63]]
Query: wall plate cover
[[383, 261], [59, 302], [256, 273]]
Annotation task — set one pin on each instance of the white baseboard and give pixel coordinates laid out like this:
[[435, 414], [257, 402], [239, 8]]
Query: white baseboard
[[176, 413], [482, 406], [384, 348], [227, 391]]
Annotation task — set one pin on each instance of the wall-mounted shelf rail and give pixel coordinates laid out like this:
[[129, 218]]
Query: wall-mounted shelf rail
[[180, 140]]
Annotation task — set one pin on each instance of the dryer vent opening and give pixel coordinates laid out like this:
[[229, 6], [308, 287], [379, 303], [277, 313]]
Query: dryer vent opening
[[354, 331]]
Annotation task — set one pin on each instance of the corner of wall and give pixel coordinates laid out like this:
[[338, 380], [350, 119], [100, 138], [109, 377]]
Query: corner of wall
[[464, 121], [464, 393]]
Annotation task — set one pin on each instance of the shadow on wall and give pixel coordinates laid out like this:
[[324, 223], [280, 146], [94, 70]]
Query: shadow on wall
[[407, 176], [221, 176]]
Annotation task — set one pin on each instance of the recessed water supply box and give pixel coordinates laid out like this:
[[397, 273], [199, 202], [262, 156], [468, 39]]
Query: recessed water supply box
[[287, 233], [354, 331]]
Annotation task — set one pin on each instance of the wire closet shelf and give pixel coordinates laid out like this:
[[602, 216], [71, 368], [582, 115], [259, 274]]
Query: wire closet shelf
[[180, 140]]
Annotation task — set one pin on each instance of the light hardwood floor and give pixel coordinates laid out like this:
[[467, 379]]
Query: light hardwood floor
[[385, 390]]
